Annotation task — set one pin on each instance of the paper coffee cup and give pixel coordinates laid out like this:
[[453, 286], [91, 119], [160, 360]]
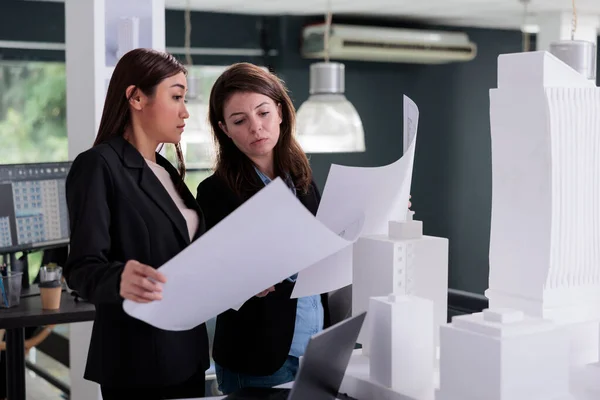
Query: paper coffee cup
[[50, 293]]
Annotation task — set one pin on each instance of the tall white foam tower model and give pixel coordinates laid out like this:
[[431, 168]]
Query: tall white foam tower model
[[545, 227]]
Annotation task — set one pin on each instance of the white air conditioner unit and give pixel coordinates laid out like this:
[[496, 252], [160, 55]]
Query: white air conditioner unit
[[352, 42]]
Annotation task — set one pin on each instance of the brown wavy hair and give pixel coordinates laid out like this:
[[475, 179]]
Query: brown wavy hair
[[232, 164], [144, 69]]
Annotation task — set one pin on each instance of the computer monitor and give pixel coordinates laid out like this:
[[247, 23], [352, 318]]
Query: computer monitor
[[33, 206]]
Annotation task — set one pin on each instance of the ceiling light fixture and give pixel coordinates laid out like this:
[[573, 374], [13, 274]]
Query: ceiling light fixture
[[327, 122], [578, 54]]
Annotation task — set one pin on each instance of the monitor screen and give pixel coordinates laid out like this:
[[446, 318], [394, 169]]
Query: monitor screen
[[33, 206]]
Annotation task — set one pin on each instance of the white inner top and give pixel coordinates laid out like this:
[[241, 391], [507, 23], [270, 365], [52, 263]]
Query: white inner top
[[190, 215]]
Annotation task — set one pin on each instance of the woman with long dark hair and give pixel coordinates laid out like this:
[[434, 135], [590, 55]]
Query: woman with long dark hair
[[253, 122], [130, 212]]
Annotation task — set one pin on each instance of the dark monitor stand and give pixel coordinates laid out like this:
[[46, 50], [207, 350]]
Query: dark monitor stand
[[20, 265]]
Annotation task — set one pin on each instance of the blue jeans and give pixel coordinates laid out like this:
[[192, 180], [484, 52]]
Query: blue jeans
[[230, 381]]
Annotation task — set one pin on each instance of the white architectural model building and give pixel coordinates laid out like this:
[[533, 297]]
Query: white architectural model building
[[402, 351], [401, 279], [402, 262], [545, 227], [503, 355]]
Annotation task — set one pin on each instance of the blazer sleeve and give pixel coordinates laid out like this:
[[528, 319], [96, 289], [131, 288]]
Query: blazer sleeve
[[88, 269], [215, 202]]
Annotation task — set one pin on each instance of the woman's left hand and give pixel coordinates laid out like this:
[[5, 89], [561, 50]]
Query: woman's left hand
[[266, 292]]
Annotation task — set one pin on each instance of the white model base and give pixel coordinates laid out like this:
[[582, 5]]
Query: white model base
[[584, 330], [402, 351], [439, 396], [358, 384], [502, 354], [585, 381], [584, 342]]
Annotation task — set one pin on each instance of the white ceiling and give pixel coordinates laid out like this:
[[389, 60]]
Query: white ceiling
[[480, 13]]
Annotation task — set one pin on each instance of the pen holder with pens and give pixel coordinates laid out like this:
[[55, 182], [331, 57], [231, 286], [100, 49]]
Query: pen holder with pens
[[10, 288]]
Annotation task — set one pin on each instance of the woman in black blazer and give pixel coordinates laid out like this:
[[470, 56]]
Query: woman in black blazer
[[130, 212], [253, 121]]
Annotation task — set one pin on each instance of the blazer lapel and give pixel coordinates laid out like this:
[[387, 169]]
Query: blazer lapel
[[157, 192], [151, 185], [188, 198]]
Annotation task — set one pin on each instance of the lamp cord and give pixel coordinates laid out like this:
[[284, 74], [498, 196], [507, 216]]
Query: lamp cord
[[526, 42], [328, 18], [188, 34], [574, 21]]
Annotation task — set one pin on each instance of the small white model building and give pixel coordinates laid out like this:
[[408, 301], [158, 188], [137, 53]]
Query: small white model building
[[502, 354], [402, 262], [402, 352], [545, 226]]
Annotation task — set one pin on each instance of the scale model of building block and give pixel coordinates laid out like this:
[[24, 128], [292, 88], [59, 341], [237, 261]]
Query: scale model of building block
[[545, 224], [402, 351], [402, 262], [503, 354]]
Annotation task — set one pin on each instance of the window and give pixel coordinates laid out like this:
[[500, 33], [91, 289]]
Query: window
[[33, 126], [197, 142], [33, 106]]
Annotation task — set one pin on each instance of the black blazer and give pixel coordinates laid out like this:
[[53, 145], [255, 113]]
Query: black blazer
[[257, 338], [119, 211]]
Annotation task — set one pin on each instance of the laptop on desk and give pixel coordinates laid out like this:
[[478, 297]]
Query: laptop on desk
[[322, 369]]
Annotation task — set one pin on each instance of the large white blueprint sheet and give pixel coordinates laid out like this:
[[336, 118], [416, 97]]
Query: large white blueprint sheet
[[378, 195], [269, 238]]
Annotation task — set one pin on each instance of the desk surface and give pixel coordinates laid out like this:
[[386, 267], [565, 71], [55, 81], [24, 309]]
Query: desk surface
[[30, 313]]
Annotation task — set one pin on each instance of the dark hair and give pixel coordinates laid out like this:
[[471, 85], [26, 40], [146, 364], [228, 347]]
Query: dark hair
[[144, 69], [232, 164]]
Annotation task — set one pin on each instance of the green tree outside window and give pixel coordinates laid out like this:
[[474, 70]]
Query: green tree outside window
[[32, 112]]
